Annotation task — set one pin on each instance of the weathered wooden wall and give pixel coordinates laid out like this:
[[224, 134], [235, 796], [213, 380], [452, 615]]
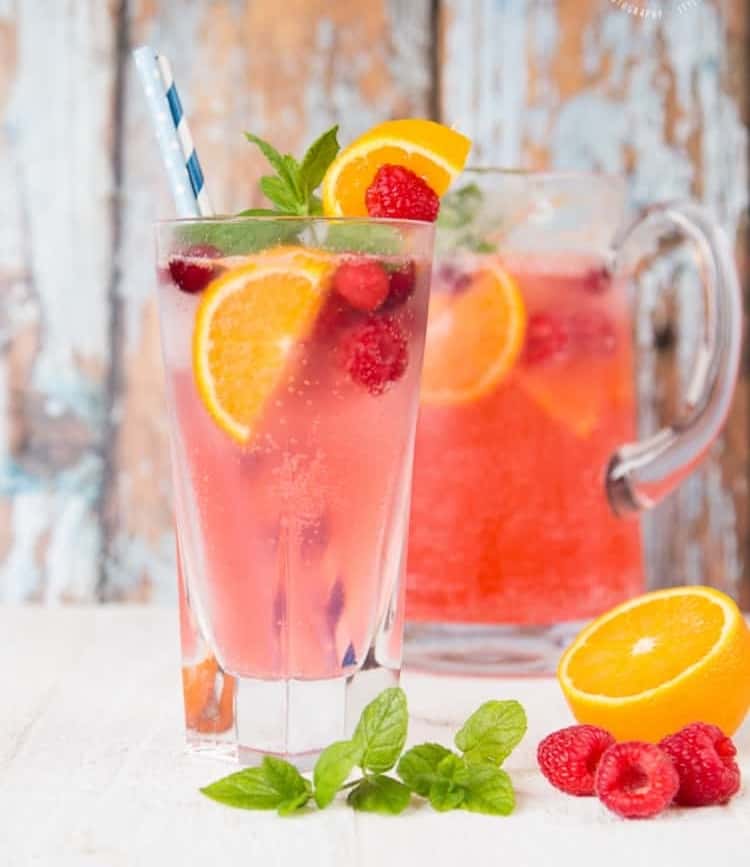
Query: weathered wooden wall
[[84, 490]]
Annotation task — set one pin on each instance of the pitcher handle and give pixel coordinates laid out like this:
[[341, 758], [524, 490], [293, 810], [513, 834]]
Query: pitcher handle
[[641, 474]]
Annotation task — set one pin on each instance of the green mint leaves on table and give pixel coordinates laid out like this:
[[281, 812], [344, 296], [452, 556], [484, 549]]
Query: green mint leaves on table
[[470, 779], [292, 189], [275, 785]]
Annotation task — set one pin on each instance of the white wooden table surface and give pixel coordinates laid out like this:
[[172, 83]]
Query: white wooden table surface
[[92, 772]]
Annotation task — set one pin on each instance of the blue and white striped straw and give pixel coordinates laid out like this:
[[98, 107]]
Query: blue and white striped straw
[[173, 134]]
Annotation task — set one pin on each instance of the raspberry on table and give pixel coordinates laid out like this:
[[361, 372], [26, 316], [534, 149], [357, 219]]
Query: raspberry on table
[[363, 282], [705, 761], [568, 758], [636, 780], [375, 353], [192, 270], [399, 193]]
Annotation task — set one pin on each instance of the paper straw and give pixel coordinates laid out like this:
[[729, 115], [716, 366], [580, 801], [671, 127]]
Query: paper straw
[[173, 134]]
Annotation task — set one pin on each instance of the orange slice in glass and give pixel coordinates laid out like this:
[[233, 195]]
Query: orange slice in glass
[[247, 325], [203, 711], [659, 662], [473, 338], [198, 684], [434, 152]]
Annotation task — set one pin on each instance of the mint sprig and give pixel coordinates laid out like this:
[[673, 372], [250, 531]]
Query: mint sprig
[[491, 733], [470, 779], [460, 210], [292, 188], [275, 785]]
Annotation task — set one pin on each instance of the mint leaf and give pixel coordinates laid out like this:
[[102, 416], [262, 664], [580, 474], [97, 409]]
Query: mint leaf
[[487, 789], [380, 795], [272, 155], [381, 730], [459, 207], [317, 158], [364, 238], [445, 795], [275, 189], [492, 733], [275, 785], [258, 212], [334, 765], [295, 184], [242, 236], [418, 767]]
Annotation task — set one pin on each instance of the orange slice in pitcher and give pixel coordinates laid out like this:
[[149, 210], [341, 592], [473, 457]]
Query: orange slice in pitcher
[[473, 338], [434, 152], [247, 325], [661, 661]]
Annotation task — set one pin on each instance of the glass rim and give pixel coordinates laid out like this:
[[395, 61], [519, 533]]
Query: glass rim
[[303, 218], [547, 174]]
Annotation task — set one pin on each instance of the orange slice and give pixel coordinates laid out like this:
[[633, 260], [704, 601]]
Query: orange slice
[[576, 394], [434, 152], [473, 338], [203, 711], [198, 684], [247, 325], [659, 662]]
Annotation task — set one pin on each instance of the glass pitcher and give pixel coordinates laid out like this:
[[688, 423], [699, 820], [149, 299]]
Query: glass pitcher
[[527, 458]]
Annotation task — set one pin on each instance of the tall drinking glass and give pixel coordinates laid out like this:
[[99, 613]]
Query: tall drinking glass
[[527, 460], [292, 415]]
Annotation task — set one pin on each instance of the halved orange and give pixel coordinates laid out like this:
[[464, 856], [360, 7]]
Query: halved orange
[[247, 325], [656, 663], [435, 152], [473, 338]]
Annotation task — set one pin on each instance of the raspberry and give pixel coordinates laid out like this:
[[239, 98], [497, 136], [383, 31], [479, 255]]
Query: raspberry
[[397, 192], [547, 338], [375, 353], [597, 281], [335, 316], [636, 780], [401, 283], [704, 758], [190, 273], [568, 758], [593, 333], [363, 282]]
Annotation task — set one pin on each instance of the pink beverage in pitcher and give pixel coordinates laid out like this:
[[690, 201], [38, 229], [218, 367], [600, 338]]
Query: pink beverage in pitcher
[[522, 477], [509, 524], [291, 540]]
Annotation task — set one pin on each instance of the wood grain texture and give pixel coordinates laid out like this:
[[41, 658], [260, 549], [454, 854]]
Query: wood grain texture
[[130, 794], [84, 478], [582, 84], [56, 254]]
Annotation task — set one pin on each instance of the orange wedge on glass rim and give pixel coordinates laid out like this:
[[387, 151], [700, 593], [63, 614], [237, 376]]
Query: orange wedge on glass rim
[[659, 662], [247, 325], [473, 338], [435, 152]]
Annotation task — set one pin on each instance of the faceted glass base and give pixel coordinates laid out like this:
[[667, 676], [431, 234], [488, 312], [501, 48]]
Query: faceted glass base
[[485, 649], [292, 719]]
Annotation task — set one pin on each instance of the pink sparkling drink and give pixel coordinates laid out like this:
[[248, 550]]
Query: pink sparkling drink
[[291, 544]]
